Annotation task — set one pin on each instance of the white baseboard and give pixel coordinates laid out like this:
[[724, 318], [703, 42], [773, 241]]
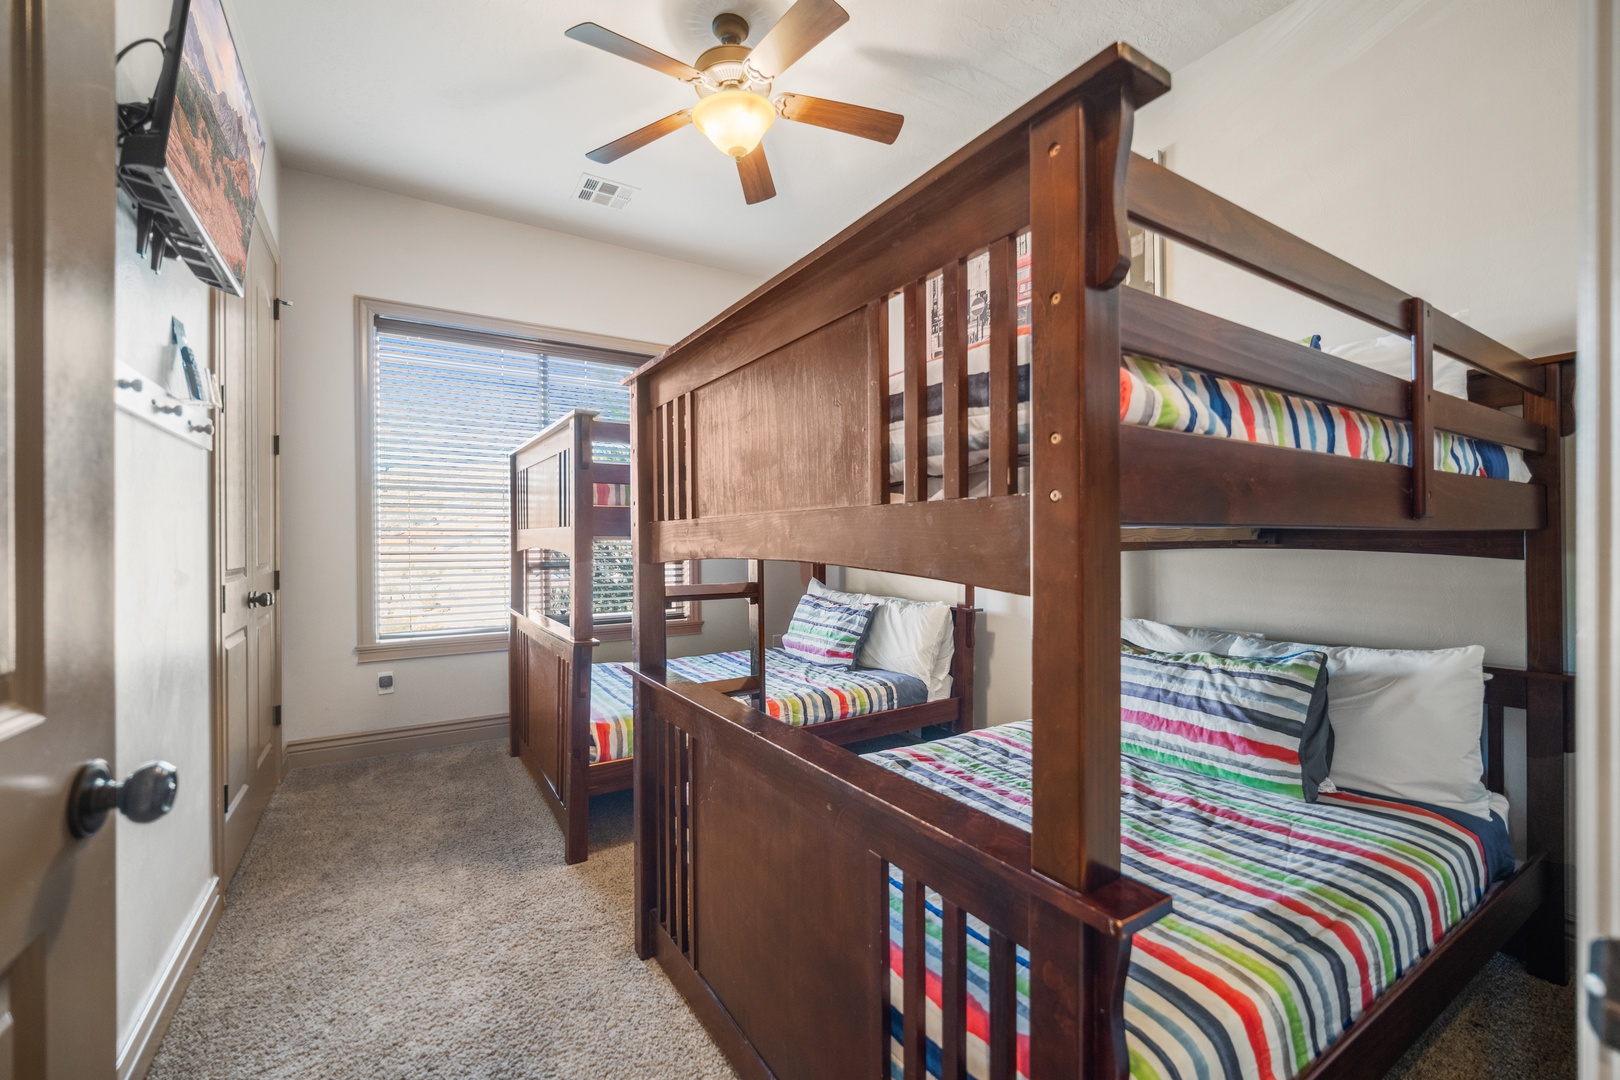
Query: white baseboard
[[152, 1021], [366, 744]]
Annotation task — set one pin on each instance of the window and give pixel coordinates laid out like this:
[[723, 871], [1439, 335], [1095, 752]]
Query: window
[[443, 400]]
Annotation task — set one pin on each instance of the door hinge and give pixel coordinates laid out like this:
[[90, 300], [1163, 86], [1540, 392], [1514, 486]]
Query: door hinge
[[222, 599], [277, 720], [1602, 985], [277, 585], [226, 793], [275, 444], [278, 305]]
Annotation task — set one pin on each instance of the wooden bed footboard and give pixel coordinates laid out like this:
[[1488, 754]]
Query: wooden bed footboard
[[763, 888]]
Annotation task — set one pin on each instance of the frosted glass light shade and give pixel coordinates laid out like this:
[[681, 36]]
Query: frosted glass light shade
[[734, 120]]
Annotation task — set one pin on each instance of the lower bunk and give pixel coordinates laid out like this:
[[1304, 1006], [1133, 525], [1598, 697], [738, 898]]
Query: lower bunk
[[573, 720], [867, 702], [1290, 918], [1253, 935]]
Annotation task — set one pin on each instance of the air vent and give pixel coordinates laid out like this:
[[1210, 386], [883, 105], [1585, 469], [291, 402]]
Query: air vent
[[594, 189]]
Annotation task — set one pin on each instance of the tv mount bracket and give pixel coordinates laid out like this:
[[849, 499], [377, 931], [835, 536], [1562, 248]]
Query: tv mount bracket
[[149, 234]]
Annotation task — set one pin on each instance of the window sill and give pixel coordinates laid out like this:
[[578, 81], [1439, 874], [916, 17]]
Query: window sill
[[486, 643], [446, 646]]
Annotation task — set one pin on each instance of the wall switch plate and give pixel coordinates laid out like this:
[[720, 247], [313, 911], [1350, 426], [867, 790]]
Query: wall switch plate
[[385, 682]]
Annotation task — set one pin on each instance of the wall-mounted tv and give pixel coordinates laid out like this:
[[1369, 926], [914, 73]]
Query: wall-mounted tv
[[192, 165]]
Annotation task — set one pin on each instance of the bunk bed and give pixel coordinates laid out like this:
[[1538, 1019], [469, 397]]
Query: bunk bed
[[826, 916], [570, 720]]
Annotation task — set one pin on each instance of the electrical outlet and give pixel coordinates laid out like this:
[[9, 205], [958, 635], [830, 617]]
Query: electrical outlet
[[385, 682]]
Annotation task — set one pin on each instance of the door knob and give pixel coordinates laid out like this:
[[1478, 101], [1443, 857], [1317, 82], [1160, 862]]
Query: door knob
[[261, 599], [147, 795]]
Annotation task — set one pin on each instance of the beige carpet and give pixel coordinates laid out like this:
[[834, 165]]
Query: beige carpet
[[412, 917]]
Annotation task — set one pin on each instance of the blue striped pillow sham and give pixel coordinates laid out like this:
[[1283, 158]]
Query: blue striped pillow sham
[[827, 631], [1260, 721]]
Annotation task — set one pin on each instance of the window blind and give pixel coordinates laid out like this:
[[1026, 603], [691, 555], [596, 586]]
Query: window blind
[[451, 404]]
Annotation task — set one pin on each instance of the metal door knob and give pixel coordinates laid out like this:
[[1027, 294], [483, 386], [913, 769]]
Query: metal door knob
[[147, 795], [261, 599]]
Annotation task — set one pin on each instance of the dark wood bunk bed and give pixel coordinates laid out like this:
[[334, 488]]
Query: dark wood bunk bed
[[763, 853], [556, 481]]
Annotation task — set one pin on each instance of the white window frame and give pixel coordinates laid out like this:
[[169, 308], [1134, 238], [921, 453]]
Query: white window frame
[[367, 647]]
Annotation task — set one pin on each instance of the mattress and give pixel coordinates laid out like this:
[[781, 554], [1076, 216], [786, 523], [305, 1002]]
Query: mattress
[[1288, 917], [797, 693]]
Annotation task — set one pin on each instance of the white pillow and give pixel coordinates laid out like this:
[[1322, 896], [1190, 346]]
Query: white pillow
[[1405, 722], [1162, 637], [1392, 354], [913, 637]]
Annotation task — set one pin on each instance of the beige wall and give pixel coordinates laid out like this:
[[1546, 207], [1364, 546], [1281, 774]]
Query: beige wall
[[342, 240], [1386, 132]]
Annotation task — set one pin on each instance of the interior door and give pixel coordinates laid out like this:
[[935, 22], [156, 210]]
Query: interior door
[[57, 996], [249, 500]]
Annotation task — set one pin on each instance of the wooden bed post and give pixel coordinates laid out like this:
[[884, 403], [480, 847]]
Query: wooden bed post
[[576, 696], [1079, 152], [516, 671], [1541, 944], [756, 630], [1419, 317], [649, 647]]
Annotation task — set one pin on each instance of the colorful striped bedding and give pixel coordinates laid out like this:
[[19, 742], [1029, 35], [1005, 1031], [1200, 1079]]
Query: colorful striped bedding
[[797, 693], [1289, 917]]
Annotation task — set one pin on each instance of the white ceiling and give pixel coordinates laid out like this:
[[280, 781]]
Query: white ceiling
[[483, 104]]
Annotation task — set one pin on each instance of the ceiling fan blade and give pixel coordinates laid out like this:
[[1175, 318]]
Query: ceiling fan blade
[[619, 45], [756, 176], [874, 124], [805, 26], [616, 149]]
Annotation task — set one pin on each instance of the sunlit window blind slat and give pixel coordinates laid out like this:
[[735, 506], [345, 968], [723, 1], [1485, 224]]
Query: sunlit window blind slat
[[448, 411]]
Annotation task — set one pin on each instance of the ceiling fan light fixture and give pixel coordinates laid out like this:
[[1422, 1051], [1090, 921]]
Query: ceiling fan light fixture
[[734, 120]]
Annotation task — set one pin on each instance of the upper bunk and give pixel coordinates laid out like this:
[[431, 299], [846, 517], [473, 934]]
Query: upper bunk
[[570, 488], [769, 429]]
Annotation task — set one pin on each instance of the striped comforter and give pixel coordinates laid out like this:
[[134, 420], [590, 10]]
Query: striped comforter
[[797, 693], [1289, 917]]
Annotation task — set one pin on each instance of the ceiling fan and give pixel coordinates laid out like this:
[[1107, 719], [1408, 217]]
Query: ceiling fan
[[733, 83]]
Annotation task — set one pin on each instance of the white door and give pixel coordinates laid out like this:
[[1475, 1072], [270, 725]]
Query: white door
[[248, 465]]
